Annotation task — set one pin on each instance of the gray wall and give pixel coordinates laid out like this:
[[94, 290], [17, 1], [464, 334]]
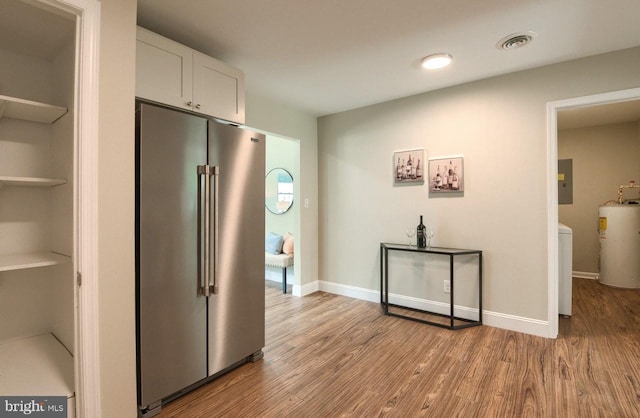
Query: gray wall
[[283, 153], [500, 126], [116, 192], [604, 157]]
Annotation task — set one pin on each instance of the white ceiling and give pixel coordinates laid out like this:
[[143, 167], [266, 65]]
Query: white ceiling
[[329, 56], [582, 117], [326, 57]]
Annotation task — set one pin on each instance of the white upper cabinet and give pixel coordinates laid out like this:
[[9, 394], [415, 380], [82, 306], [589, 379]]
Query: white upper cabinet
[[170, 73], [163, 70], [220, 88]]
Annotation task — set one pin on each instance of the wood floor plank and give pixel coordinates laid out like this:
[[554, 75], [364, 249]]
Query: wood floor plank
[[332, 356]]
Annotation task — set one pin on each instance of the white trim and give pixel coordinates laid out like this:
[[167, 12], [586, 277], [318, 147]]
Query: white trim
[[552, 187], [522, 324], [305, 289], [585, 275], [88, 117], [552, 220], [494, 319], [349, 291]]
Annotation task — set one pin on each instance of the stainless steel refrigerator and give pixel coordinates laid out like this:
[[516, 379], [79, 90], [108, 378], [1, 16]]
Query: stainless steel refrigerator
[[199, 251]]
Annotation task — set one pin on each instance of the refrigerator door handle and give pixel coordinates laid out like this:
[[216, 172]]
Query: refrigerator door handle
[[216, 175], [199, 231], [203, 279]]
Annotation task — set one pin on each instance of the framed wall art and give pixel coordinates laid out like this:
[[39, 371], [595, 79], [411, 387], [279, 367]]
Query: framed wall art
[[446, 174], [408, 166]]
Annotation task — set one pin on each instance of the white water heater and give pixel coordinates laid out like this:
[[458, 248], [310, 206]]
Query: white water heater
[[620, 245]]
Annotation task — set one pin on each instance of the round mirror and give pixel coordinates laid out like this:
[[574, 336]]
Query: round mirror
[[278, 191]]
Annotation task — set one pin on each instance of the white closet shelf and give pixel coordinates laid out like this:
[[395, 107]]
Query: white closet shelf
[[30, 181], [35, 366], [31, 260], [15, 108]]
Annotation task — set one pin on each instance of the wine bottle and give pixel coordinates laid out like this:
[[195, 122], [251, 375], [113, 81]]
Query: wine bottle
[[398, 171], [421, 235], [438, 179], [450, 181], [418, 171], [455, 185]]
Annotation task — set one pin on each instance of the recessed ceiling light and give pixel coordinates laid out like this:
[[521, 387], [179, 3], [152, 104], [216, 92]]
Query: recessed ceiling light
[[516, 40], [435, 61]]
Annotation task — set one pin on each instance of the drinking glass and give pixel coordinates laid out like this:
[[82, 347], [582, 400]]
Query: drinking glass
[[411, 232], [429, 235]]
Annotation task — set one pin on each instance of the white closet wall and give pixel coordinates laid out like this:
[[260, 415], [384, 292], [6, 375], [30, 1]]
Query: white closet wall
[[25, 76], [25, 215], [62, 225]]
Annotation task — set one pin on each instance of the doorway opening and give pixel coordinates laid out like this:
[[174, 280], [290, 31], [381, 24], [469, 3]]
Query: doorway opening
[[553, 109], [283, 156]]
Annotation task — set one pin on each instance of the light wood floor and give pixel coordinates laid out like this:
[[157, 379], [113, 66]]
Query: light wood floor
[[332, 356]]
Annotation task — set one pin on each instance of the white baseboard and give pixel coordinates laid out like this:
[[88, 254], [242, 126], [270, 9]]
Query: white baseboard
[[306, 289], [585, 275], [350, 291], [493, 319], [522, 324], [433, 306], [274, 274]]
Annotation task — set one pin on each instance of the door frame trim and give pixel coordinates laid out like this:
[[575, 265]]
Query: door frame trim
[[86, 345], [88, 231]]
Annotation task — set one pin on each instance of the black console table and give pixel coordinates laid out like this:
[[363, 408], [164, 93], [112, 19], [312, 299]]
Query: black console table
[[449, 252]]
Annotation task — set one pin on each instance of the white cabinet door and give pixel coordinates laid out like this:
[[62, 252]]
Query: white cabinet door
[[163, 70], [171, 73], [218, 89]]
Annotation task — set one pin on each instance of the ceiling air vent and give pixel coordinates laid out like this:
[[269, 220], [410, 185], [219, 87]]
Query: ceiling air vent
[[515, 40]]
